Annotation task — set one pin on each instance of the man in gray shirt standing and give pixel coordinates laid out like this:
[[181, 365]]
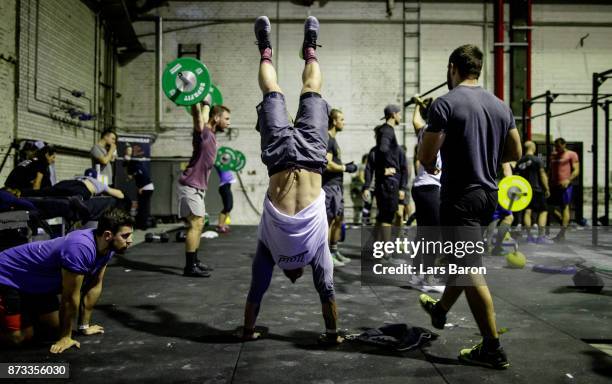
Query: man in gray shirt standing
[[104, 152], [474, 132]]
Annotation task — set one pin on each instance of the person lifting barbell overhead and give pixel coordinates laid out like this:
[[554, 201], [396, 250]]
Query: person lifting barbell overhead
[[192, 82], [293, 230]]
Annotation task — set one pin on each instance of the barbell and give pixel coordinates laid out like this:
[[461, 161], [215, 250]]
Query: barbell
[[186, 81], [157, 237], [229, 159], [216, 98], [413, 100], [514, 193]]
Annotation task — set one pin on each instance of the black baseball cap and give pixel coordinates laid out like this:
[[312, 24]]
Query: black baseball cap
[[391, 109]]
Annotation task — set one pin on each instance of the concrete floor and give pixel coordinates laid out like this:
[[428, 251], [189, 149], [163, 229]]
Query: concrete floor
[[163, 327]]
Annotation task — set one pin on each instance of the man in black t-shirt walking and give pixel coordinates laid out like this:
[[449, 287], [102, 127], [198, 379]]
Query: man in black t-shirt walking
[[474, 132], [332, 186], [531, 168]]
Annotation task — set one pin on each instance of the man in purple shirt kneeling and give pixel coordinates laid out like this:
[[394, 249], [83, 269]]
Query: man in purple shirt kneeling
[[33, 274]]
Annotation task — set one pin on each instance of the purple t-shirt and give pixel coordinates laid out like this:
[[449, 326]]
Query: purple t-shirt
[[202, 160], [37, 267], [225, 177]]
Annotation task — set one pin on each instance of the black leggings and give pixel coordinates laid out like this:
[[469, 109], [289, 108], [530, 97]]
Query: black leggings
[[144, 209], [226, 196], [427, 203]]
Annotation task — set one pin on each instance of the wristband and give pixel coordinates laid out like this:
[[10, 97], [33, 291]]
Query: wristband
[[83, 327]]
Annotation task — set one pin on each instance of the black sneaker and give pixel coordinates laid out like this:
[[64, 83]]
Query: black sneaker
[[478, 356], [194, 271], [428, 304], [204, 267], [311, 33], [262, 32]]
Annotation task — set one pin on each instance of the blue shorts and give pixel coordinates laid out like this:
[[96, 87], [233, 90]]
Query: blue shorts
[[301, 145], [500, 213], [560, 196]]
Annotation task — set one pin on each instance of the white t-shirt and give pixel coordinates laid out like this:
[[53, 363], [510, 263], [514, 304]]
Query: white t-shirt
[[423, 177], [294, 240]]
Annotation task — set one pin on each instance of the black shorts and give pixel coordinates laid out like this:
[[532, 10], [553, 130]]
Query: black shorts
[[464, 218], [18, 309], [538, 202], [387, 201]]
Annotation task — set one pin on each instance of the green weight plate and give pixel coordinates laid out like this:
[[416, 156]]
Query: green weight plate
[[226, 159], [216, 98], [240, 161], [186, 81]]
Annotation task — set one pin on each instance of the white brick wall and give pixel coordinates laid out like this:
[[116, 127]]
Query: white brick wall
[[361, 64], [561, 65], [351, 61], [65, 57], [7, 79]]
